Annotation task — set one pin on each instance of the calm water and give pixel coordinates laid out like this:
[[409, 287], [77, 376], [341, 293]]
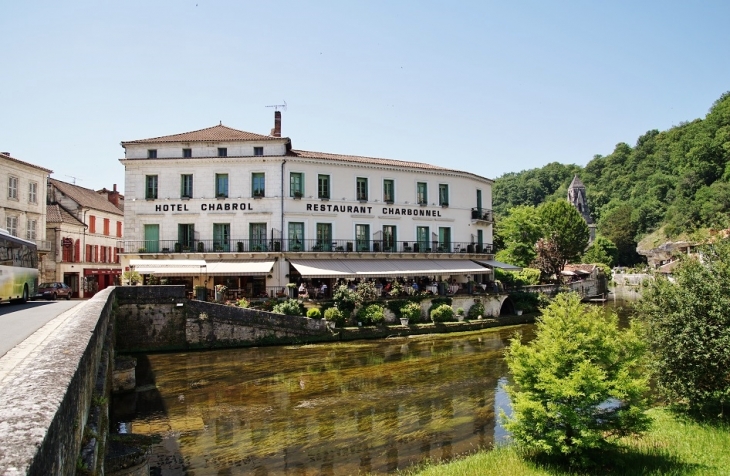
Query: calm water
[[358, 407]]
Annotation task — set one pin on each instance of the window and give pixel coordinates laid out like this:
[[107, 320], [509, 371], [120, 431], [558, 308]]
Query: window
[[389, 238], [296, 236], [479, 202], [222, 152], [362, 237], [258, 151], [30, 232], [186, 186], [13, 187], [221, 185], [152, 153], [444, 195], [151, 239], [324, 237], [422, 238], [444, 239], [151, 188], [106, 226], [92, 224], [119, 229], [67, 250], [389, 191], [33, 192], [187, 153], [323, 186], [296, 186], [480, 241], [221, 237], [186, 236], [12, 225], [258, 181], [362, 188], [422, 193], [257, 233]]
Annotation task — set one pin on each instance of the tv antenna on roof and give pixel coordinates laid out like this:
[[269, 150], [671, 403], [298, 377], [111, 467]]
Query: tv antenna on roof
[[278, 106], [74, 178]]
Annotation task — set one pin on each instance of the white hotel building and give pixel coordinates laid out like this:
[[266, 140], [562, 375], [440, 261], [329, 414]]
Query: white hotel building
[[223, 206]]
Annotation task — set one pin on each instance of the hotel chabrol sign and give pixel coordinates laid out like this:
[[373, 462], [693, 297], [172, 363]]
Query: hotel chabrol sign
[[205, 207]]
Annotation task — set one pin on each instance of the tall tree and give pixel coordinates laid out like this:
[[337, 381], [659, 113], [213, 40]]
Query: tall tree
[[518, 231], [562, 223], [602, 250]]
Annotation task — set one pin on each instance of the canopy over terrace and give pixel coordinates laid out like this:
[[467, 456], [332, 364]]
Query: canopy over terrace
[[197, 267], [498, 264], [380, 268]]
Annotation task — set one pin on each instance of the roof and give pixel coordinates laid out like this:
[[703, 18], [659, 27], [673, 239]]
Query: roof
[[13, 159], [576, 183], [57, 214], [372, 160], [86, 197], [219, 133]]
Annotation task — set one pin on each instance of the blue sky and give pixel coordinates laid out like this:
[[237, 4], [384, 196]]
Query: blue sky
[[488, 87]]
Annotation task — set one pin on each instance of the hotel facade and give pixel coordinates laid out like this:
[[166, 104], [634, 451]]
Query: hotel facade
[[223, 206]]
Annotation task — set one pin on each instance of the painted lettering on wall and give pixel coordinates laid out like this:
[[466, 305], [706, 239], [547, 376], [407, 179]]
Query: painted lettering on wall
[[205, 207], [416, 212]]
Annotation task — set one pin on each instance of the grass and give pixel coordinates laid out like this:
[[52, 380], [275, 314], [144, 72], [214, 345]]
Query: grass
[[675, 445]]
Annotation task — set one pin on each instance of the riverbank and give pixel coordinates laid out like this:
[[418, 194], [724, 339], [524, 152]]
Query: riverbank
[[674, 445]]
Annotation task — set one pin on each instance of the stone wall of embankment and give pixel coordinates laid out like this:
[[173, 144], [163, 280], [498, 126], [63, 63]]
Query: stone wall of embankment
[[159, 318], [54, 400]]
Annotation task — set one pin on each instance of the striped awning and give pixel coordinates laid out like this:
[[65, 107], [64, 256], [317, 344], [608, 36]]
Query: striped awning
[[169, 267], [365, 268], [498, 264]]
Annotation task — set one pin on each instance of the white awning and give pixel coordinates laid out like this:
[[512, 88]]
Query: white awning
[[240, 268], [498, 264], [169, 267], [364, 268]]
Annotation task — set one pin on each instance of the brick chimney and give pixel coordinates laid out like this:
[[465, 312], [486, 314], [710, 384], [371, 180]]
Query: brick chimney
[[113, 196], [276, 131]]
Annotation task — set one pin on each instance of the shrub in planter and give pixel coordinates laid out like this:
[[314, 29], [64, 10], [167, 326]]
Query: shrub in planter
[[442, 313], [314, 313], [346, 300], [243, 303], [411, 311], [290, 307], [436, 302], [476, 310], [367, 291], [370, 315], [335, 315]]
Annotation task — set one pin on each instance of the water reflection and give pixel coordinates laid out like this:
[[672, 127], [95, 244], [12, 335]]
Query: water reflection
[[359, 407]]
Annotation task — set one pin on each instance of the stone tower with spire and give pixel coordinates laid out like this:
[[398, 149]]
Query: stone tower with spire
[[577, 197]]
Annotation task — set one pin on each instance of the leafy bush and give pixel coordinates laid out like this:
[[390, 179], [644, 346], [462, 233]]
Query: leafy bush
[[370, 315], [335, 315], [689, 330], [442, 313], [411, 311], [578, 384], [476, 310], [460, 311], [314, 313], [396, 289], [346, 300], [436, 302], [243, 302], [395, 306], [529, 302], [290, 307], [367, 291]]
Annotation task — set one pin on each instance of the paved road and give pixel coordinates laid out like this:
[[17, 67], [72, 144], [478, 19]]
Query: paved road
[[18, 321]]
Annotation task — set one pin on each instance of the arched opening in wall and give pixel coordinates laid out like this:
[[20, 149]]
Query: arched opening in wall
[[508, 307]]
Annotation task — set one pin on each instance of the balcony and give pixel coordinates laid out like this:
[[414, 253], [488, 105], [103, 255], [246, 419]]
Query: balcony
[[482, 214], [303, 246]]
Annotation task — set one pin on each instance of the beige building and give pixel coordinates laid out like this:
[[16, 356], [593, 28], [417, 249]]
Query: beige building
[[84, 227], [23, 202], [224, 206]]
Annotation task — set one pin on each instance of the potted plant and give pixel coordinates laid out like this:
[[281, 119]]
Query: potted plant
[[201, 247], [460, 314], [131, 277], [410, 312], [220, 292], [298, 194], [333, 316], [292, 288]]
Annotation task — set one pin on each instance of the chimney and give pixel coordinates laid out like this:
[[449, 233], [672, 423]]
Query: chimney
[[113, 196], [276, 131]]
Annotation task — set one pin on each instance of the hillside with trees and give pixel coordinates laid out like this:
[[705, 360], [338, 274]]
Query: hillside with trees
[[676, 181]]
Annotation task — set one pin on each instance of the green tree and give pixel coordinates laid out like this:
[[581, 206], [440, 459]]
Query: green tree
[[688, 330], [518, 231], [618, 226], [602, 250], [564, 224], [578, 384], [548, 259]]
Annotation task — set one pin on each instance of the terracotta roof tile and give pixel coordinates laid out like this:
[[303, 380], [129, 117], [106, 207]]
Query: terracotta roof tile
[[219, 133], [13, 159], [86, 197], [57, 214]]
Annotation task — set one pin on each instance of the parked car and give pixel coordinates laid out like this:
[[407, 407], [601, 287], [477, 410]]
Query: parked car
[[53, 291]]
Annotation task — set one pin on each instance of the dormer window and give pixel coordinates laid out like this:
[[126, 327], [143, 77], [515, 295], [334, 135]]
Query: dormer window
[[222, 152], [151, 153], [258, 151]]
